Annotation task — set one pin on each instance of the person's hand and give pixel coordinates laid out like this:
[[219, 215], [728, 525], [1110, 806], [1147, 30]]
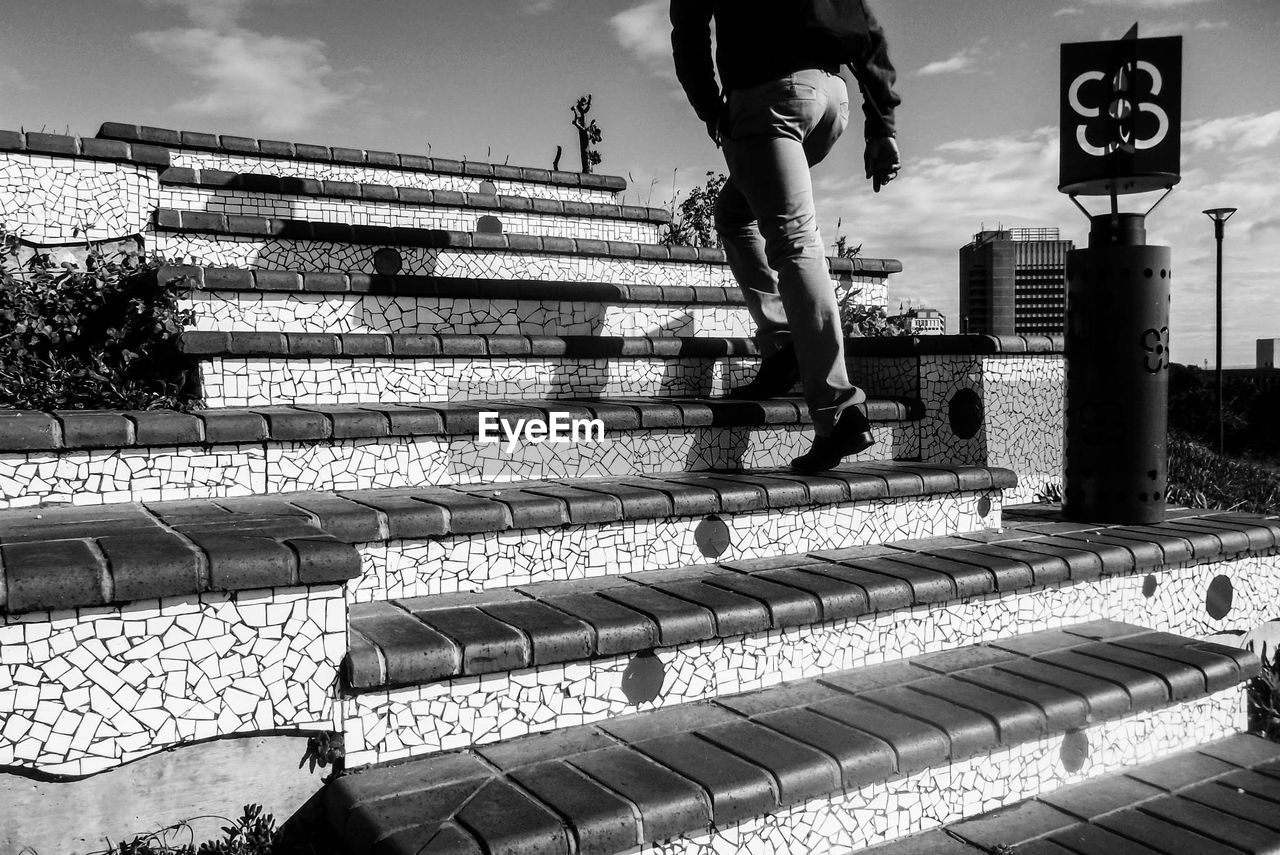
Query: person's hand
[[713, 131], [882, 161]]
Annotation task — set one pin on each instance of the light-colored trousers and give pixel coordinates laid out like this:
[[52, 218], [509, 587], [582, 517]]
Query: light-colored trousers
[[771, 135]]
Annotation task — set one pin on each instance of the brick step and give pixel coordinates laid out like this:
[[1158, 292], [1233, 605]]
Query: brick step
[[264, 369], [90, 458], [315, 247], [556, 622], [57, 558], [808, 760], [435, 673], [194, 150], [1223, 798], [242, 368], [255, 195], [461, 306]]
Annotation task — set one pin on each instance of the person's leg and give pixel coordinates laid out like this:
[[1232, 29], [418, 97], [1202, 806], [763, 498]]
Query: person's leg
[[744, 250], [776, 131]]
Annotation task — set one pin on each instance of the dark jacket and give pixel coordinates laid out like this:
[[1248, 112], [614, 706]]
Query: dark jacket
[[761, 40]]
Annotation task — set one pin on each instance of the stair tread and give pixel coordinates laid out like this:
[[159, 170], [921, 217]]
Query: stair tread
[[98, 429], [735, 598], [307, 538], [200, 222], [1208, 806], [275, 148], [251, 182], [723, 762]]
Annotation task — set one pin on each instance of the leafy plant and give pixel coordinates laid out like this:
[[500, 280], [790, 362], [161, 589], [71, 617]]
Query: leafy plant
[[589, 134], [99, 336], [255, 833], [693, 221], [1200, 478], [863, 321], [1264, 698]]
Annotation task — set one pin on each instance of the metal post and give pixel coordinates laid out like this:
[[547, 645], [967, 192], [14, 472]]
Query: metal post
[[1218, 229], [1219, 217]]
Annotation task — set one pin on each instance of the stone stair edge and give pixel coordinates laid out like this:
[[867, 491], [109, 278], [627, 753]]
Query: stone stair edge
[[201, 222], [355, 283], [725, 761], [546, 624], [230, 144], [75, 430], [56, 558], [1098, 817], [90, 148], [247, 343], [372, 192]]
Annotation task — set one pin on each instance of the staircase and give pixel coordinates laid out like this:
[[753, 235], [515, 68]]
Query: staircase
[[655, 636]]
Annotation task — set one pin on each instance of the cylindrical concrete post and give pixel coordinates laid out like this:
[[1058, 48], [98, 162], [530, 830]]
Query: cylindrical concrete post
[[1117, 355]]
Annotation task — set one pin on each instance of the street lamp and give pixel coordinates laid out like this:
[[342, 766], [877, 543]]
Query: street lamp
[[1219, 217]]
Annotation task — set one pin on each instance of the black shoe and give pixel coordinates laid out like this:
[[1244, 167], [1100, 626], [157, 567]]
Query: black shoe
[[778, 375], [852, 435]]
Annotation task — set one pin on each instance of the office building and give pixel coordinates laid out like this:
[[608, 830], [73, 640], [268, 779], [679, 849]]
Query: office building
[[1013, 281]]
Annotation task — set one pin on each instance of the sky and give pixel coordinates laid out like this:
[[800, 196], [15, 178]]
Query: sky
[[495, 79]]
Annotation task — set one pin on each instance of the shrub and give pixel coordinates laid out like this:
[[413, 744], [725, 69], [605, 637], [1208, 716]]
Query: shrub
[[1199, 478], [1264, 698], [1249, 411], [99, 337], [255, 833], [862, 321], [693, 222]]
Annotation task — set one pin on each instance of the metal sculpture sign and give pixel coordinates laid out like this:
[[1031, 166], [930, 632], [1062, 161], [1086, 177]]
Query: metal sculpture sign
[[1121, 116]]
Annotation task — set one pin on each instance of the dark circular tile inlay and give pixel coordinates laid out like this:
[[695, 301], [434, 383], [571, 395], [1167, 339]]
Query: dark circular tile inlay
[[642, 681], [1149, 586], [712, 537], [387, 261], [1217, 601], [1075, 750], [489, 225], [965, 413], [984, 506]]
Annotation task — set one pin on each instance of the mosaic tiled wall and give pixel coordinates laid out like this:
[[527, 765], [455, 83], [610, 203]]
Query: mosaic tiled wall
[[373, 175], [453, 713], [85, 691], [50, 200], [159, 474], [356, 212], [881, 812], [412, 568], [343, 313], [237, 382], [321, 256], [996, 411], [886, 376]]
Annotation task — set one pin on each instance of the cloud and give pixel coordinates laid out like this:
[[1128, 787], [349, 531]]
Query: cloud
[[964, 62], [282, 83], [12, 79], [645, 31], [537, 7], [1236, 134], [1068, 10], [214, 14]]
